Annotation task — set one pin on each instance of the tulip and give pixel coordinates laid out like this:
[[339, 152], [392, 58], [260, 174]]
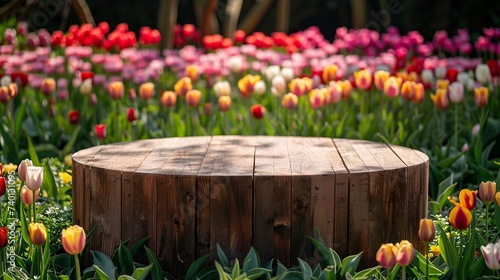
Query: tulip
[[427, 76], [27, 195], [168, 99], [73, 239], [21, 171], [34, 177], [442, 84], [467, 198], [131, 115], [346, 89], [182, 86], [316, 98], [405, 253], [386, 255], [481, 96], [247, 83], [86, 86], [192, 72], [3, 185], [407, 90], [193, 97], [224, 103], [363, 79], [3, 237], [147, 90], [391, 87], [460, 217], [278, 85], [100, 131], [222, 88], [260, 87], [497, 198], [491, 254], [116, 90], [289, 101], [48, 86], [483, 74], [4, 94], [37, 233], [74, 116], [258, 111], [93, 99], [329, 73], [380, 77], [427, 230], [297, 86], [456, 92], [487, 191], [440, 99]]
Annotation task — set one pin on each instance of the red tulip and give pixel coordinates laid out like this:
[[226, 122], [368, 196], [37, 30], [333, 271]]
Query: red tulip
[[74, 117], [100, 131], [3, 237], [131, 115], [3, 185], [258, 111]]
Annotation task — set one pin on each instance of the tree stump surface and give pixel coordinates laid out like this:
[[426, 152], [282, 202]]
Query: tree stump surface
[[190, 194]]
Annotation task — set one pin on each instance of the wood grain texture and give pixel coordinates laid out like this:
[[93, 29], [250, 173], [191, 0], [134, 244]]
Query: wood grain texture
[[189, 194]]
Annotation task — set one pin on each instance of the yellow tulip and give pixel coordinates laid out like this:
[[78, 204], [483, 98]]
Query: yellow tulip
[[73, 239], [37, 233]]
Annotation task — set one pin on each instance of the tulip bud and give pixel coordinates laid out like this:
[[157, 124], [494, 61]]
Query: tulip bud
[[278, 85], [3, 237], [27, 195], [427, 230], [182, 86], [491, 254], [21, 171], [34, 177], [100, 131], [380, 77], [222, 88], [483, 74], [86, 86], [73, 239], [329, 73], [290, 101], [193, 97], [487, 191], [405, 253], [37, 233], [93, 99], [147, 90], [116, 90], [363, 79], [168, 99], [497, 198], [316, 98], [131, 115], [467, 198], [48, 86], [456, 92], [427, 76], [481, 96], [386, 255], [391, 87], [224, 102], [465, 148], [258, 111]]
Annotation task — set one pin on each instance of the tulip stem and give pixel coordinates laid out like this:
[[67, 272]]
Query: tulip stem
[[34, 206], [403, 273], [77, 266], [427, 261]]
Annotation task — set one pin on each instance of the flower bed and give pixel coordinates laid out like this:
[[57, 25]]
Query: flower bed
[[66, 91]]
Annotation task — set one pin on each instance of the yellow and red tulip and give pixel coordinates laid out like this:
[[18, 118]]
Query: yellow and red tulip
[[329, 73], [168, 99], [316, 98], [147, 90], [48, 86], [407, 91], [193, 97], [116, 90], [427, 230], [192, 72], [289, 101], [247, 83], [182, 86], [467, 198], [460, 217], [380, 77], [481, 96], [37, 233], [224, 102], [405, 253], [386, 255], [391, 87], [418, 93], [443, 84], [363, 79], [297, 86], [440, 99], [73, 239]]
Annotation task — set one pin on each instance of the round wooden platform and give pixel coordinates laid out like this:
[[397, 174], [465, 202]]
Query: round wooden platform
[[189, 194]]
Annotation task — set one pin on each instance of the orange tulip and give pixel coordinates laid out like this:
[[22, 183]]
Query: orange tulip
[[346, 89], [5, 95], [460, 217], [386, 255], [407, 90], [247, 83], [73, 239], [380, 77], [290, 101], [193, 97], [297, 86], [316, 98], [481, 96], [363, 79], [182, 86], [37, 233], [147, 90], [48, 86], [192, 72], [418, 93], [497, 198], [440, 99], [427, 230], [168, 99], [116, 90], [329, 73], [467, 198], [443, 84], [487, 191], [224, 102]]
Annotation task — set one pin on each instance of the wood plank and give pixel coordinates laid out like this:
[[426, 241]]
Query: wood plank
[[359, 192], [341, 192], [176, 228], [203, 198], [272, 199], [105, 210]]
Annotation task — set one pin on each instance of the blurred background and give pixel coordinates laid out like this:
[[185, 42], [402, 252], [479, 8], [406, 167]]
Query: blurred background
[[223, 16]]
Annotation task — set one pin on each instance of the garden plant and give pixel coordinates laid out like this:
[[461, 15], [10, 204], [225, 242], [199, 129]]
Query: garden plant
[[64, 91]]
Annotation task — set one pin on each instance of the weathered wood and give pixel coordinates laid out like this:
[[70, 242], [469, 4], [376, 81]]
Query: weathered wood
[[190, 194]]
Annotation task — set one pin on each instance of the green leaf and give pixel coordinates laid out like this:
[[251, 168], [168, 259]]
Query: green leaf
[[32, 152], [256, 273], [49, 182], [20, 115], [68, 148], [236, 269], [221, 272], [137, 246], [305, 268], [24, 224], [104, 263], [497, 208], [46, 257], [141, 273], [102, 275], [252, 260], [447, 162], [419, 262], [366, 273], [222, 256], [9, 149], [156, 273], [325, 253], [126, 264], [196, 266], [125, 277], [448, 251], [350, 264]]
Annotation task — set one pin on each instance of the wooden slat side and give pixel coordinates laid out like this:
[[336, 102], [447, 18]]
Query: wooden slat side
[[78, 182], [359, 192], [105, 210], [272, 199]]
